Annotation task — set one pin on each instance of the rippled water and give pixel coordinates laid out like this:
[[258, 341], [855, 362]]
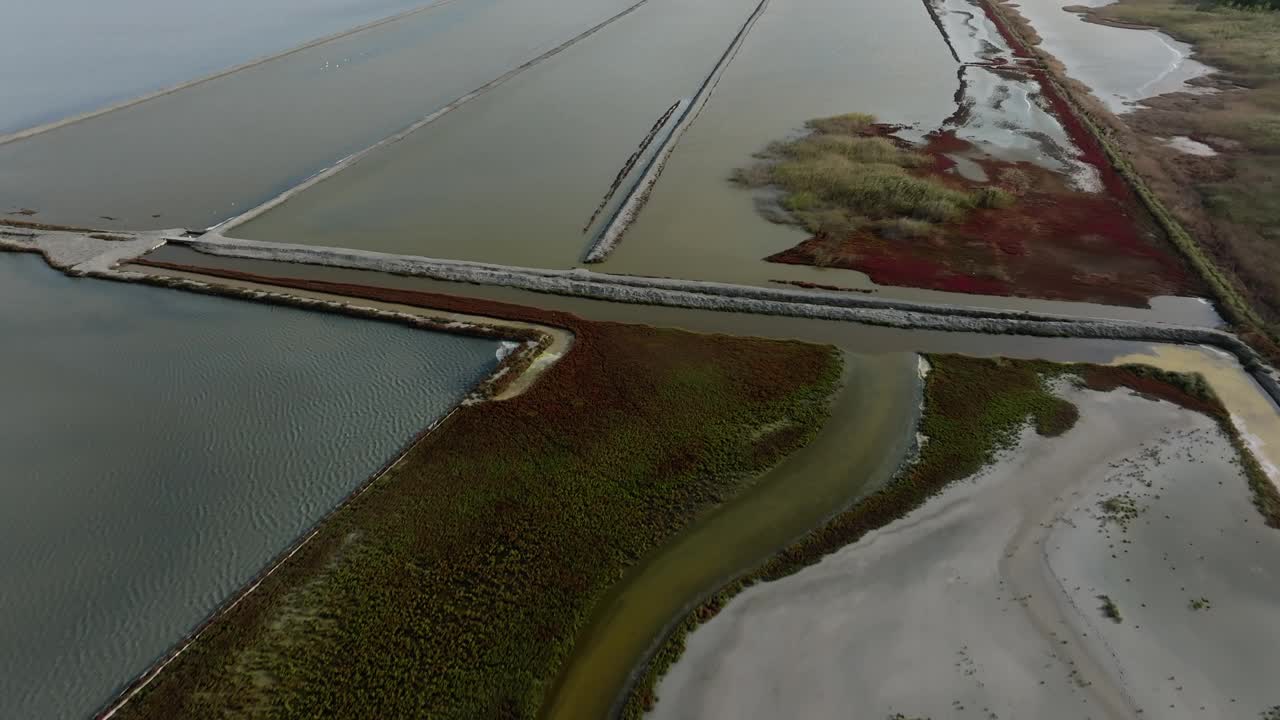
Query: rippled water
[[159, 448]]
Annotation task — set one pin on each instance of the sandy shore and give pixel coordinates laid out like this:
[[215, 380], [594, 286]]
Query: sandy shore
[[984, 603]]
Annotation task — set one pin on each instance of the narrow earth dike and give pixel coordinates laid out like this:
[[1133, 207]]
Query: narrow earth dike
[[1219, 207]]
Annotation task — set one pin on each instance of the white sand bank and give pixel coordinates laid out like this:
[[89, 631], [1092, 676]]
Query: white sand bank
[[983, 604]]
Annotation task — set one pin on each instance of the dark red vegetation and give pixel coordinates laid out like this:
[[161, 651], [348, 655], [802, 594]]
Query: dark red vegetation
[[1053, 242], [455, 587]]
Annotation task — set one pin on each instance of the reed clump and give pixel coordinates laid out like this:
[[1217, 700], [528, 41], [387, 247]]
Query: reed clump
[[843, 177]]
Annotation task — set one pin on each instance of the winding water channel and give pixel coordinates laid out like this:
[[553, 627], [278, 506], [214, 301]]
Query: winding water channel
[[875, 406], [161, 447], [218, 430]]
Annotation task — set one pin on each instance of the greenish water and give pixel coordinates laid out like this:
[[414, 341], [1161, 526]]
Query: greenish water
[[160, 447], [871, 427]]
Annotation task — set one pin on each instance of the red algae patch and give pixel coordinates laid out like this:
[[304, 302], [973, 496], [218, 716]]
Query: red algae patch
[[1054, 241]]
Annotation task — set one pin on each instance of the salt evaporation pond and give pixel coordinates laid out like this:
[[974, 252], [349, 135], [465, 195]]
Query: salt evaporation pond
[[161, 447], [73, 56], [202, 155], [514, 176]]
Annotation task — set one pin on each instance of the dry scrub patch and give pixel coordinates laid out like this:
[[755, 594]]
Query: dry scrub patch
[[1231, 201]]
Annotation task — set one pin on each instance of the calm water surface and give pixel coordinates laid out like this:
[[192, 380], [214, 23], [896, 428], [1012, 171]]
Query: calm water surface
[[1122, 66], [159, 448], [202, 155], [66, 57]]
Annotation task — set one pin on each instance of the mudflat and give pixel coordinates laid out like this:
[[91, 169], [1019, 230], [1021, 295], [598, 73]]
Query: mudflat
[[991, 600]]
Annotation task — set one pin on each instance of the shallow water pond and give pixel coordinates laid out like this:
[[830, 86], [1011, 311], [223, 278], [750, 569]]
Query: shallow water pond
[[205, 154]]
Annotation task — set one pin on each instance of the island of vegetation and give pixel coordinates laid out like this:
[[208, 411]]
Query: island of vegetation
[[900, 213]]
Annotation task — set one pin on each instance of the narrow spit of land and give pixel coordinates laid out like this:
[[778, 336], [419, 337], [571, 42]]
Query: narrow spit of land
[[974, 409], [480, 555]]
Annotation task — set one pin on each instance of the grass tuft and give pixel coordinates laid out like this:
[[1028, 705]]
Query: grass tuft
[[1110, 610], [839, 179], [847, 124]]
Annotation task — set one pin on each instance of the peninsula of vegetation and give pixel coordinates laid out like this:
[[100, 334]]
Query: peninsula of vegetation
[[903, 214], [1207, 164], [455, 586]]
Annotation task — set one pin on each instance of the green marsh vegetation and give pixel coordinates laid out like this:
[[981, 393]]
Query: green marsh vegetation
[[456, 585], [844, 176], [1120, 509], [1110, 610], [1241, 39], [974, 409]]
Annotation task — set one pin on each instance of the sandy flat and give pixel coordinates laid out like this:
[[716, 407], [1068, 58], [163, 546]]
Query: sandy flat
[[983, 603]]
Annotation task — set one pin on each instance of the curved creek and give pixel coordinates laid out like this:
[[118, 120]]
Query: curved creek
[[870, 430], [847, 459]]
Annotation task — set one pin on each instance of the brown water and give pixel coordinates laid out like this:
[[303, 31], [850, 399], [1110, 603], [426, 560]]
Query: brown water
[[478, 186], [802, 60], [202, 155], [514, 176], [698, 225]]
